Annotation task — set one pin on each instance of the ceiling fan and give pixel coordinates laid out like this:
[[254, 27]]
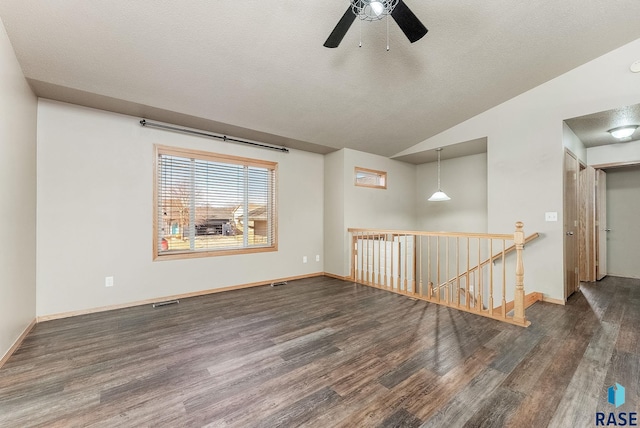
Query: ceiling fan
[[370, 10]]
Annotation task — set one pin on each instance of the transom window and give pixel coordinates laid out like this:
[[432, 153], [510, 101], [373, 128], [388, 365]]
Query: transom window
[[209, 204], [370, 178]]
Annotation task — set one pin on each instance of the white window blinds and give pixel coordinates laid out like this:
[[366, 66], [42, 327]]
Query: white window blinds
[[208, 204]]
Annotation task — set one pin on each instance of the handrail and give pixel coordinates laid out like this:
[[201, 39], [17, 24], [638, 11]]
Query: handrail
[[491, 259], [423, 233], [412, 262]]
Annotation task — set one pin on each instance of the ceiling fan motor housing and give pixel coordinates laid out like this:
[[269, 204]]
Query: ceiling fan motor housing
[[371, 10]]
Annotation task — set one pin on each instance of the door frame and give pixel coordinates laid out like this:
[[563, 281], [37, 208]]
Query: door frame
[[604, 167], [571, 281]]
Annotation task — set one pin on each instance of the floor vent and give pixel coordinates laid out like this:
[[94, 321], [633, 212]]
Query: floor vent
[[275, 284], [168, 302]]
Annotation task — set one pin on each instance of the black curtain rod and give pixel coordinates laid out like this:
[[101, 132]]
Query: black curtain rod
[[144, 122]]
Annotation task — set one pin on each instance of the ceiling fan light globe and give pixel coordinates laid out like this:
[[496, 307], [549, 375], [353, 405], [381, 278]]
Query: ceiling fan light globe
[[377, 7]]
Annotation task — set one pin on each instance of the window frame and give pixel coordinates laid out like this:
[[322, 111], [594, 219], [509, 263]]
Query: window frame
[[213, 157], [369, 171]]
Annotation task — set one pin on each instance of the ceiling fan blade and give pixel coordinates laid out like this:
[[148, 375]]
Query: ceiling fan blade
[[408, 22], [341, 29]]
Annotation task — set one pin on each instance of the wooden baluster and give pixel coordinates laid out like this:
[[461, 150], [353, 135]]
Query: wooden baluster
[[363, 268], [518, 298], [475, 284], [369, 259], [384, 267], [372, 259], [361, 257], [398, 285], [363, 249], [356, 277], [429, 285], [458, 271], [406, 261], [354, 252], [446, 267], [354, 257], [504, 282], [386, 258], [421, 285], [392, 278], [479, 290], [437, 268], [381, 268], [362, 252], [379, 259], [490, 276], [468, 294], [414, 269]]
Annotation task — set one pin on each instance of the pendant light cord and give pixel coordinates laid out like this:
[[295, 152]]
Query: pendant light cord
[[439, 170]]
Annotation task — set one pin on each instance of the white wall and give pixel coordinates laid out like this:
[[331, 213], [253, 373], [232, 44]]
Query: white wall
[[525, 154], [390, 208], [623, 206], [95, 175], [334, 229], [464, 180], [349, 206], [18, 110], [571, 141], [614, 153]]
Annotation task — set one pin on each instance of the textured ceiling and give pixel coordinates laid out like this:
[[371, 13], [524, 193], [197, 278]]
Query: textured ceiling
[[592, 129], [466, 148], [260, 70]]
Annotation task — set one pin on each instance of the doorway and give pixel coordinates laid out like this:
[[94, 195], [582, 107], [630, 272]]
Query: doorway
[[601, 227], [621, 231]]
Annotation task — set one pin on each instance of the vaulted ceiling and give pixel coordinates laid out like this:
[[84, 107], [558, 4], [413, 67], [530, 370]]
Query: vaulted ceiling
[[258, 70]]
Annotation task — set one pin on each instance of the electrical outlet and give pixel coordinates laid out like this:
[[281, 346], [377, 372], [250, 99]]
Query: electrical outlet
[[108, 281], [304, 259], [317, 257], [551, 216]]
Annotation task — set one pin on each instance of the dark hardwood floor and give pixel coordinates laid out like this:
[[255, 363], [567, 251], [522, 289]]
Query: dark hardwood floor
[[326, 353]]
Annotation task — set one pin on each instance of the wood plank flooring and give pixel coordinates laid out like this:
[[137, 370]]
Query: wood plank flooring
[[321, 352]]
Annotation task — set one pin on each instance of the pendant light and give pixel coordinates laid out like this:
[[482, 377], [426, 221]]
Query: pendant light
[[439, 195]]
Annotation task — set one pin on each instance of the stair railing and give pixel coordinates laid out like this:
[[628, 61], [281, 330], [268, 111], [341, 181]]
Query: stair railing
[[466, 271]]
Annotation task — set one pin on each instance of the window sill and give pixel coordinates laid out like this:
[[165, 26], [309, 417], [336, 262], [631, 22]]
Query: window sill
[[177, 255]]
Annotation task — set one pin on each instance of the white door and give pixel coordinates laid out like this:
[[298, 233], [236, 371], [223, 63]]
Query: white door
[[571, 260]]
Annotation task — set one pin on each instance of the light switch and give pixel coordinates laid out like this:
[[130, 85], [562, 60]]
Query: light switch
[[551, 216]]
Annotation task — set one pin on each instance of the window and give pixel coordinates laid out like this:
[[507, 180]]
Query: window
[[212, 205], [371, 178]]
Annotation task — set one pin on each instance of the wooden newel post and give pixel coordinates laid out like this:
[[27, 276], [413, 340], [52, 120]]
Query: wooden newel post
[[518, 298]]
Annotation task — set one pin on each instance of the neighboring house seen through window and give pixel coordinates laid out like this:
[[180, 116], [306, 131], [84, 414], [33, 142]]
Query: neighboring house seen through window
[[209, 204]]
